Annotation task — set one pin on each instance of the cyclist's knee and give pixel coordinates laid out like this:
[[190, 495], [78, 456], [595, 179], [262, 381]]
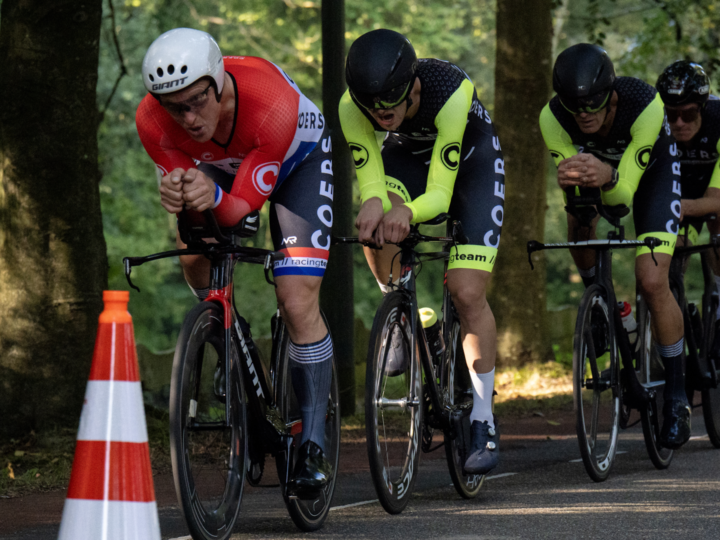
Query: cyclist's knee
[[468, 295], [653, 284], [298, 299], [196, 269]]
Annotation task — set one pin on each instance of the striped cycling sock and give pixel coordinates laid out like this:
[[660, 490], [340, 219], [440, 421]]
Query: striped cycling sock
[[311, 375], [673, 362]]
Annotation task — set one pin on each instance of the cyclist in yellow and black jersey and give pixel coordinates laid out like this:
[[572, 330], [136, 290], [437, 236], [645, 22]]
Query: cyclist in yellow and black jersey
[[423, 144], [694, 118], [608, 133]]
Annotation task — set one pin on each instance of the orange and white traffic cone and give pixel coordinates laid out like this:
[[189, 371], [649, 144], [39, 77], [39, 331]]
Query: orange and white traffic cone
[[111, 494]]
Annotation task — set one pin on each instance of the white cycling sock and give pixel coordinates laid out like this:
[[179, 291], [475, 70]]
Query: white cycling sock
[[717, 284], [483, 384]]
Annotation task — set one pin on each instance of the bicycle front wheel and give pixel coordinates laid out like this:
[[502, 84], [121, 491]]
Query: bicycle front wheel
[[392, 404], [458, 387], [651, 374], [308, 515], [596, 383], [208, 458]]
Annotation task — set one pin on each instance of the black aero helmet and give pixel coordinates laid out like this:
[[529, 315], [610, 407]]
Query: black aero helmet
[[583, 78], [683, 82], [380, 69]]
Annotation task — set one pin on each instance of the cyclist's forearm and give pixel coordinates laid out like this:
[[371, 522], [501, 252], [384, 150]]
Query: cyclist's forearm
[[700, 207]]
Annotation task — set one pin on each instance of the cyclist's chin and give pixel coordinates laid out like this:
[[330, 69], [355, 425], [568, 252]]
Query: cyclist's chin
[[589, 127], [199, 134]]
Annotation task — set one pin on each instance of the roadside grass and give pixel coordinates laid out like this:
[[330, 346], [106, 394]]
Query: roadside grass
[[42, 461]]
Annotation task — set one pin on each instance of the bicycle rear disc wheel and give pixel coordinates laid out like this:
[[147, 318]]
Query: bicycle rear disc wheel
[[208, 458], [711, 396], [308, 515], [392, 407], [651, 374], [458, 387], [596, 383]]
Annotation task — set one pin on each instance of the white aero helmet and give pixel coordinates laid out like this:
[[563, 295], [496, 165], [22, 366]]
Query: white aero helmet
[[180, 57]]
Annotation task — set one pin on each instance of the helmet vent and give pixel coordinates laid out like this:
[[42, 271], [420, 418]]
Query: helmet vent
[[171, 69], [151, 77], [183, 70], [159, 72]]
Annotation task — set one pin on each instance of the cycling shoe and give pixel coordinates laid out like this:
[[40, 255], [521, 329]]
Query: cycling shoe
[[398, 355], [485, 450], [676, 423], [311, 474]]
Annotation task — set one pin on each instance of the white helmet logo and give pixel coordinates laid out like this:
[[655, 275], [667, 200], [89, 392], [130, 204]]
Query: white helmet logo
[[259, 176]]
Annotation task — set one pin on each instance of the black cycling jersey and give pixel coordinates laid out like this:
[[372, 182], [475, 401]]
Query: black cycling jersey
[[446, 158], [639, 145], [698, 157]]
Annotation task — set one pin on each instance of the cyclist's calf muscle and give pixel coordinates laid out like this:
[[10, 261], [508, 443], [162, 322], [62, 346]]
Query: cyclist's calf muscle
[[653, 282], [584, 258], [477, 322]]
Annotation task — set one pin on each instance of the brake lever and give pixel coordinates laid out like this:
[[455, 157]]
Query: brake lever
[[128, 270], [532, 247]]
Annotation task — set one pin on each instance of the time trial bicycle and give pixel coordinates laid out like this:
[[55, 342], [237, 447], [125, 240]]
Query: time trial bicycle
[[433, 392], [702, 366], [611, 376], [227, 411]]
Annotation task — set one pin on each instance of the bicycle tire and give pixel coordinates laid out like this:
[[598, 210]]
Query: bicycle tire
[[308, 515], [710, 396], [458, 388], [393, 436], [596, 380], [651, 374], [208, 464]]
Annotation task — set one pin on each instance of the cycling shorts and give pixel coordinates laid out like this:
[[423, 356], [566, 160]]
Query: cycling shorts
[[656, 204], [478, 194], [301, 211]]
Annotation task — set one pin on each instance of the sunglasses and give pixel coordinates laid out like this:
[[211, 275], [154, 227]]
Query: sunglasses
[[687, 115], [193, 105], [589, 104], [387, 100]]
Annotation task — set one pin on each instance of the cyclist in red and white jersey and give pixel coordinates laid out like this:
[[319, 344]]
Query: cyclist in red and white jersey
[[227, 134]]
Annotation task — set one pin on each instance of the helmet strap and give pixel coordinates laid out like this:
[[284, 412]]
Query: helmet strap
[[408, 99]]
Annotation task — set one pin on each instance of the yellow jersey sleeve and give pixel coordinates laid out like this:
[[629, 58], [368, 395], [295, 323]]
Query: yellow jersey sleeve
[[445, 161], [556, 138], [636, 157], [715, 178], [365, 151]]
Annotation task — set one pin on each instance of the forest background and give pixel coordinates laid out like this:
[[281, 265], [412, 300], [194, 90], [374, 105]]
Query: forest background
[[641, 36]]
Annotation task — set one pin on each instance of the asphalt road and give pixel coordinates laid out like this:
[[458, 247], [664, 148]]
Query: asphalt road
[[540, 490]]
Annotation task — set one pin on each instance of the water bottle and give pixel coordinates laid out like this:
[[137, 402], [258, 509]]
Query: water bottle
[[431, 325], [629, 323]]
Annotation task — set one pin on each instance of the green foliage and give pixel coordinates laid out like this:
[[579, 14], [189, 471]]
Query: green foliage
[[642, 37], [288, 33]]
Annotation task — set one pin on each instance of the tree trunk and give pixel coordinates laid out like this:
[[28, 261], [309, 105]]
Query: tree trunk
[[522, 88], [53, 263], [337, 296]]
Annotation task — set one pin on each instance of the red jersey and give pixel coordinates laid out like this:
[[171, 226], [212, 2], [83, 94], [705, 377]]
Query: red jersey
[[275, 128]]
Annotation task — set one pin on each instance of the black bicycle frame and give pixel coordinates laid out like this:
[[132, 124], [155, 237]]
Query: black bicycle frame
[[709, 300], [603, 277], [223, 258]]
